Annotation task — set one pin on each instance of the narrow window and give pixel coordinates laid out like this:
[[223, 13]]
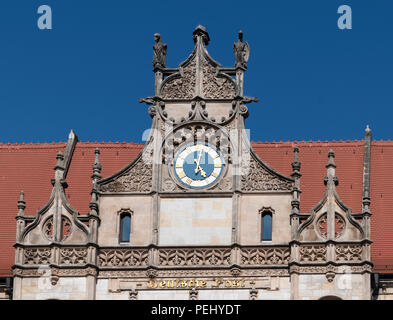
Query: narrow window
[[266, 226], [125, 227]]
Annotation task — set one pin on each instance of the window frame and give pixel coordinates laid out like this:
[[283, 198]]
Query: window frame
[[262, 212], [121, 213]]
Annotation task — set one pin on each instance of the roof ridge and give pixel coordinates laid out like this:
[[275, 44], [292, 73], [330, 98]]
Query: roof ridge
[[62, 143], [341, 141]]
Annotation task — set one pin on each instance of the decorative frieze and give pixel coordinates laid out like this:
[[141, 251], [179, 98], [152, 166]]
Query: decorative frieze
[[123, 257], [194, 273], [330, 269], [194, 257], [264, 256], [73, 256], [37, 256], [312, 253], [349, 252], [55, 272]]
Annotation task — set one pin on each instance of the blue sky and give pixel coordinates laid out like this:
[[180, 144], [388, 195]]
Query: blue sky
[[313, 80]]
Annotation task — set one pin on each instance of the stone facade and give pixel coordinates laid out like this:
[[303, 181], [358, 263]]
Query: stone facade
[[194, 243]]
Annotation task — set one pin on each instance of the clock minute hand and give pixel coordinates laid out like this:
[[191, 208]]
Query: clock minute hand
[[198, 167]]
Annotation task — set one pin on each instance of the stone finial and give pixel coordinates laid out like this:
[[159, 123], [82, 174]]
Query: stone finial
[[296, 164], [242, 51], [72, 134], [97, 166], [331, 179], [159, 52], [200, 31], [69, 151], [21, 204], [331, 159], [368, 130], [60, 161], [94, 199]]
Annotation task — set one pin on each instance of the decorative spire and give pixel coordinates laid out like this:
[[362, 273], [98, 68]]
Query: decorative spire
[[296, 189], [60, 159], [368, 131], [296, 164], [69, 151], [97, 166], [93, 205], [331, 159], [366, 201], [331, 170], [200, 31], [21, 204]]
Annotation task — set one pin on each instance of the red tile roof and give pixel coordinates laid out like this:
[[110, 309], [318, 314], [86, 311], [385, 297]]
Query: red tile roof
[[29, 167]]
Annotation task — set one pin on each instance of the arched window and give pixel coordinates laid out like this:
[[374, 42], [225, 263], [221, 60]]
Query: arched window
[[266, 226], [125, 227]]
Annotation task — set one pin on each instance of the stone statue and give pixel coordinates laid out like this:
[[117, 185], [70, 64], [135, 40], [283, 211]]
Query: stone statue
[[242, 51], [159, 52]]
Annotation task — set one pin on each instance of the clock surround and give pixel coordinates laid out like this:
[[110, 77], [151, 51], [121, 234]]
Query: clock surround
[[198, 165]]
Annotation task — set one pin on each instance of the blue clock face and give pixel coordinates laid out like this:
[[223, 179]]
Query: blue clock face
[[198, 165]]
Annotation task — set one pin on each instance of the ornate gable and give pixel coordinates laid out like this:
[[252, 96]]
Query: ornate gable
[[135, 177], [199, 75]]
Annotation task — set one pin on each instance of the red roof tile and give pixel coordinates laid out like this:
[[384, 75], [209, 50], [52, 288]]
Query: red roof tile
[[29, 167]]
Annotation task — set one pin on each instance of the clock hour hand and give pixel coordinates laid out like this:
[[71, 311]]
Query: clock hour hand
[[198, 161], [198, 166]]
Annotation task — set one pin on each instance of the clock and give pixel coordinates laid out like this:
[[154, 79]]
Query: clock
[[198, 165]]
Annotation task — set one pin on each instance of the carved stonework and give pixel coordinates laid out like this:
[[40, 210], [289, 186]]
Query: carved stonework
[[151, 273], [181, 87], [257, 178], [66, 228], [169, 185], [265, 256], [48, 229], [36, 256], [225, 184], [137, 179], [236, 272], [72, 256], [253, 292], [133, 295], [215, 87], [312, 253], [123, 257], [339, 224], [55, 272], [330, 269], [349, 252], [193, 294], [181, 273], [194, 257]]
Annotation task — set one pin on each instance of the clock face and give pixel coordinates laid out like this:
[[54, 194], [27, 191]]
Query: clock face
[[198, 165]]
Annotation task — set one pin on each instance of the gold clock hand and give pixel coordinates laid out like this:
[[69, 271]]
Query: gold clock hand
[[198, 161], [203, 173]]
